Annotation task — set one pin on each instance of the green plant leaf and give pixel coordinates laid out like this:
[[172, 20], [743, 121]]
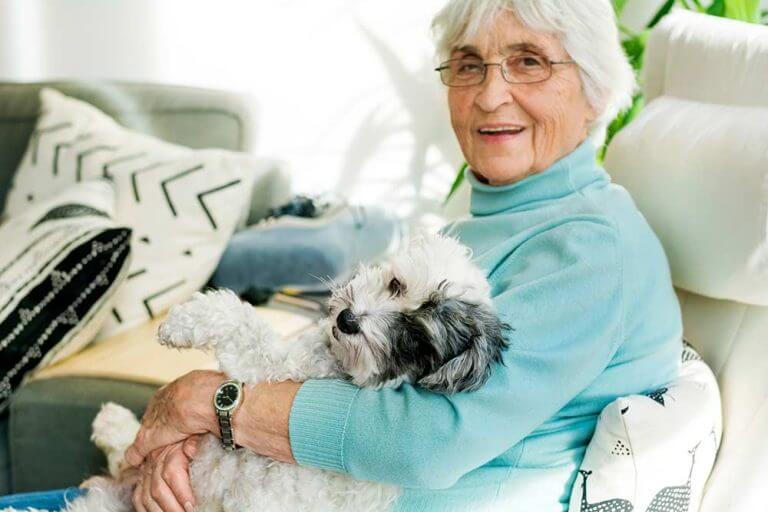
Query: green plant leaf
[[456, 182], [634, 47], [622, 120], [699, 6], [663, 11], [744, 10], [717, 8], [618, 6]]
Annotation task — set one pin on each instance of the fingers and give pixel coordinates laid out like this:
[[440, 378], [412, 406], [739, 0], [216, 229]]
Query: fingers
[[137, 452], [133, 455], [161, 492], [138, 492], [175, 474], [152, 493]]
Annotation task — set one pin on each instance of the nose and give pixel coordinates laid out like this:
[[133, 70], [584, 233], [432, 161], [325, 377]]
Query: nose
[[495, 91], [347, 322]]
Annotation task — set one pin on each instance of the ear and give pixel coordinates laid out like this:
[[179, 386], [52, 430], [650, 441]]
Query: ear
[[474, 333]]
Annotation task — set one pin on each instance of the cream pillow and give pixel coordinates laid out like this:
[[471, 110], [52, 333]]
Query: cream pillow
[[182, 204], [698, 172]]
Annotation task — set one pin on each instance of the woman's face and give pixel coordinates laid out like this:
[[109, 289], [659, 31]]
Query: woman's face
[[548, 119]]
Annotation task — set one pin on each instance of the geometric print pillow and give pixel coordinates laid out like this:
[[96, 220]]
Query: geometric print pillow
[[654, 452], [61, 263], [181, 204]]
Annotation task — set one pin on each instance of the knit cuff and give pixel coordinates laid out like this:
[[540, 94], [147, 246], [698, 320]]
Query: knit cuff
[[318, 423]]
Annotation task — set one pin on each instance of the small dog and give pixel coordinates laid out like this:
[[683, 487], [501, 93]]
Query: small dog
[[425, 317]]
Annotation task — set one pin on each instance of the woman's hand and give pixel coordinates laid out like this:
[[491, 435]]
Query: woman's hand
[[176, 411], [164, 484]]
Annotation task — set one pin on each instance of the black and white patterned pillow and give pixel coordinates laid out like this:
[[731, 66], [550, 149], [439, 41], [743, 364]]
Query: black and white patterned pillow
[[182, 204], [61, 261]]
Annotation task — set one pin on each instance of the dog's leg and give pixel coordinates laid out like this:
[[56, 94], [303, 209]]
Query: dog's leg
[[205, 320], [247, 347], [114, 429]]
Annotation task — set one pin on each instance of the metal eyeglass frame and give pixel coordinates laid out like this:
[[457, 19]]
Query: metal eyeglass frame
[[503, 73]]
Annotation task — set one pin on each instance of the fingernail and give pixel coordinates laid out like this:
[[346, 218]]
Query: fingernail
[[188, 507]]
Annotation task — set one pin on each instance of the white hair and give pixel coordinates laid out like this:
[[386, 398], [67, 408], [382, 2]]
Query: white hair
[[587, 30]]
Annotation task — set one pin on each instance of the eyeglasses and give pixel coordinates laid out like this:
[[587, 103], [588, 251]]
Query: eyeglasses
[[528, 68]]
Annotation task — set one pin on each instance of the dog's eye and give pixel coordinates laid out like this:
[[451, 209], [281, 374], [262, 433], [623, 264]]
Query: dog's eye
[[395, 287]]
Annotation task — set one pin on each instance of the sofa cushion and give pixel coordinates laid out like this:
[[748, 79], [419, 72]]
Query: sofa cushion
[[698, 171], [61, 263], [50, 429], [5, 456], [182, 204]]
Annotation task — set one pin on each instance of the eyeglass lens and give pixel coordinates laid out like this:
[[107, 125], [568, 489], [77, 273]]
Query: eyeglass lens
[[527, 68]]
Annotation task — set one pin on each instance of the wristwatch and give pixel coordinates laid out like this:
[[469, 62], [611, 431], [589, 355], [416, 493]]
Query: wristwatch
[[226, 399]]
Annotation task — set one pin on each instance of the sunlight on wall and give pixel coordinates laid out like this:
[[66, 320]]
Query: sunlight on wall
[[346, 90]]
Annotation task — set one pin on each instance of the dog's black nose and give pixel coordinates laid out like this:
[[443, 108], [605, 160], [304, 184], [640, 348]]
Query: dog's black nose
[[347, 322]]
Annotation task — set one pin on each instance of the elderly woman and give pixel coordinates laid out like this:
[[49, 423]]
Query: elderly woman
[[573, 266]]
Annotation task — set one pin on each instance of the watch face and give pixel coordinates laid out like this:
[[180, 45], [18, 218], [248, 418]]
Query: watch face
[[227, 396]]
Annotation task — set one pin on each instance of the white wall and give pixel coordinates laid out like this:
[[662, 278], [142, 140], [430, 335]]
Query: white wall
[[346, 88]]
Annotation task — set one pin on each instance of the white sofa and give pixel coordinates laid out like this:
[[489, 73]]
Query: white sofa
[[696, 164]]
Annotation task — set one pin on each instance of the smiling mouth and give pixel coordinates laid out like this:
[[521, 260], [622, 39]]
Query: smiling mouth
[[499, 132]]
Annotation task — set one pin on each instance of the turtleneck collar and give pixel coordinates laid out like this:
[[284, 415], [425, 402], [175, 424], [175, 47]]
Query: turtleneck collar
[[569, 174]]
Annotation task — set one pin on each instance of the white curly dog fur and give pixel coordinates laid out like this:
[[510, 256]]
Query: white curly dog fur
[[429, 298]]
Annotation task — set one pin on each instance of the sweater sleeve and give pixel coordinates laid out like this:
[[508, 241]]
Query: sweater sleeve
[[561, 292]]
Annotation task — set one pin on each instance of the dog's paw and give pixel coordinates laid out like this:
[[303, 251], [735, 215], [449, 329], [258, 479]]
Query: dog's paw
[[202, 321], [114, 429], [178, 328]]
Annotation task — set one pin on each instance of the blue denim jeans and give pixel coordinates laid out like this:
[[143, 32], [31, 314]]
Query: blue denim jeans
[[46, 500]]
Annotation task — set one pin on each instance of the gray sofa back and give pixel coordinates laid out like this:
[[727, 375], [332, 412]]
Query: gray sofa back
[[193, 117]]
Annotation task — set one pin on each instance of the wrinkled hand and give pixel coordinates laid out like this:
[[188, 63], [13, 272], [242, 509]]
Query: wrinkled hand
[[175, 412], [164, 484]]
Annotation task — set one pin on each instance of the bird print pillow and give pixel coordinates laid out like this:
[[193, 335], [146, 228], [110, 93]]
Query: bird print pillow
[[654, 452]]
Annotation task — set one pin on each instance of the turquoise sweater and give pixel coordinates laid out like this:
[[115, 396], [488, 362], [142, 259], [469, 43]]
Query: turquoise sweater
[[577, 272]]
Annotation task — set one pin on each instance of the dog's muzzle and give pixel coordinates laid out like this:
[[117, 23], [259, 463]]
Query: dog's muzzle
[[347, 322]]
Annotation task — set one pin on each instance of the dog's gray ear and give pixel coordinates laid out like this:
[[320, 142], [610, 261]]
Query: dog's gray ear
[[475, 334]]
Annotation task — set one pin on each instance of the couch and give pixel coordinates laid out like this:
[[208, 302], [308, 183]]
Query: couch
[[44, 436], [696, 163]]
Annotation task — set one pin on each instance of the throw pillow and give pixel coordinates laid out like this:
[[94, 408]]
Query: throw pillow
[[654, 452], [305, 254], [61, 262], [182, 204]]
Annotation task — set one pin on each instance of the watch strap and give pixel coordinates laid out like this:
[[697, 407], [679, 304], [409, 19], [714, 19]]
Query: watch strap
[[225, 428]]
